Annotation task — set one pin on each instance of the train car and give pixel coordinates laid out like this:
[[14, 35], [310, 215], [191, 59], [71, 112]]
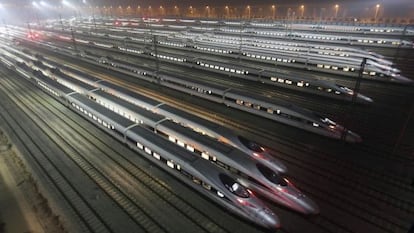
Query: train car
[[216, 184], [209, 180], [251, 172], [345, 63], [275, 110], [291, 115], [197, 124]]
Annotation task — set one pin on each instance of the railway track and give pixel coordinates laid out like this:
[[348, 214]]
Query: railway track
[[371, 190], [88, 220], [156, 191], [336, 110], [351, 175]]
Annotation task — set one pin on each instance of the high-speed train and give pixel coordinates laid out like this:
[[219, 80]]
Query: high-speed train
[[252, 172], [272, 109], [298, 82], [352, 28], [211, 181], [311, 56]]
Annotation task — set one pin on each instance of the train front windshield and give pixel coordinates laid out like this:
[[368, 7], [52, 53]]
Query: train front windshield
[[233, 186], [271, 175], [251, 145]]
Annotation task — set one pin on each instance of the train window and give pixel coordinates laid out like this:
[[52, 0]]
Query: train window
[[190, 148], [240, 102], [288, 81], [271, 175], [300, 84], [220, 194], [315, 124], [99, 121], [273, 79], [247, 104], [269, 110], [170, 164], [250, 144], [233, 186], [180, 143], [147, 150], [157, 156], [205, 156], [197, 181], [171, 139], [139, 145], [206, 186]]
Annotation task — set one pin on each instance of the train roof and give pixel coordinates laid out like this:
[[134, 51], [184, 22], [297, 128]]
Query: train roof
[[205, 140], [130, 93], [168, 146], [80, 73], [124, 122], [208, 124], [65, 90], [145, 113], [75, 81]]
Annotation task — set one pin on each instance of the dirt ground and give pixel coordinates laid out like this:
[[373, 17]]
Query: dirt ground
[[22, 208]]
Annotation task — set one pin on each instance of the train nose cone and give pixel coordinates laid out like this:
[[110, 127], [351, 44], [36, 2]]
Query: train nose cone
[[308, 205], [353, 137], [364, 99], [279, 166], [269, 219]]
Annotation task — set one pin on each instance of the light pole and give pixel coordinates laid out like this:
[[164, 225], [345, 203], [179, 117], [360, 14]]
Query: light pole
[[176, 11], [376, 12], [227, 11], [191, 11], [336, 10], [302, 10], [248, 11], [208, 11], [161, 10], [273, 12]]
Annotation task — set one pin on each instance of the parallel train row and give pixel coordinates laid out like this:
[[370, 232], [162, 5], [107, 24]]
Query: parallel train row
[[357, 29], [294, 82], [297, 82], [284, 31], [276, 110], [310, 56], [252, 174]]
